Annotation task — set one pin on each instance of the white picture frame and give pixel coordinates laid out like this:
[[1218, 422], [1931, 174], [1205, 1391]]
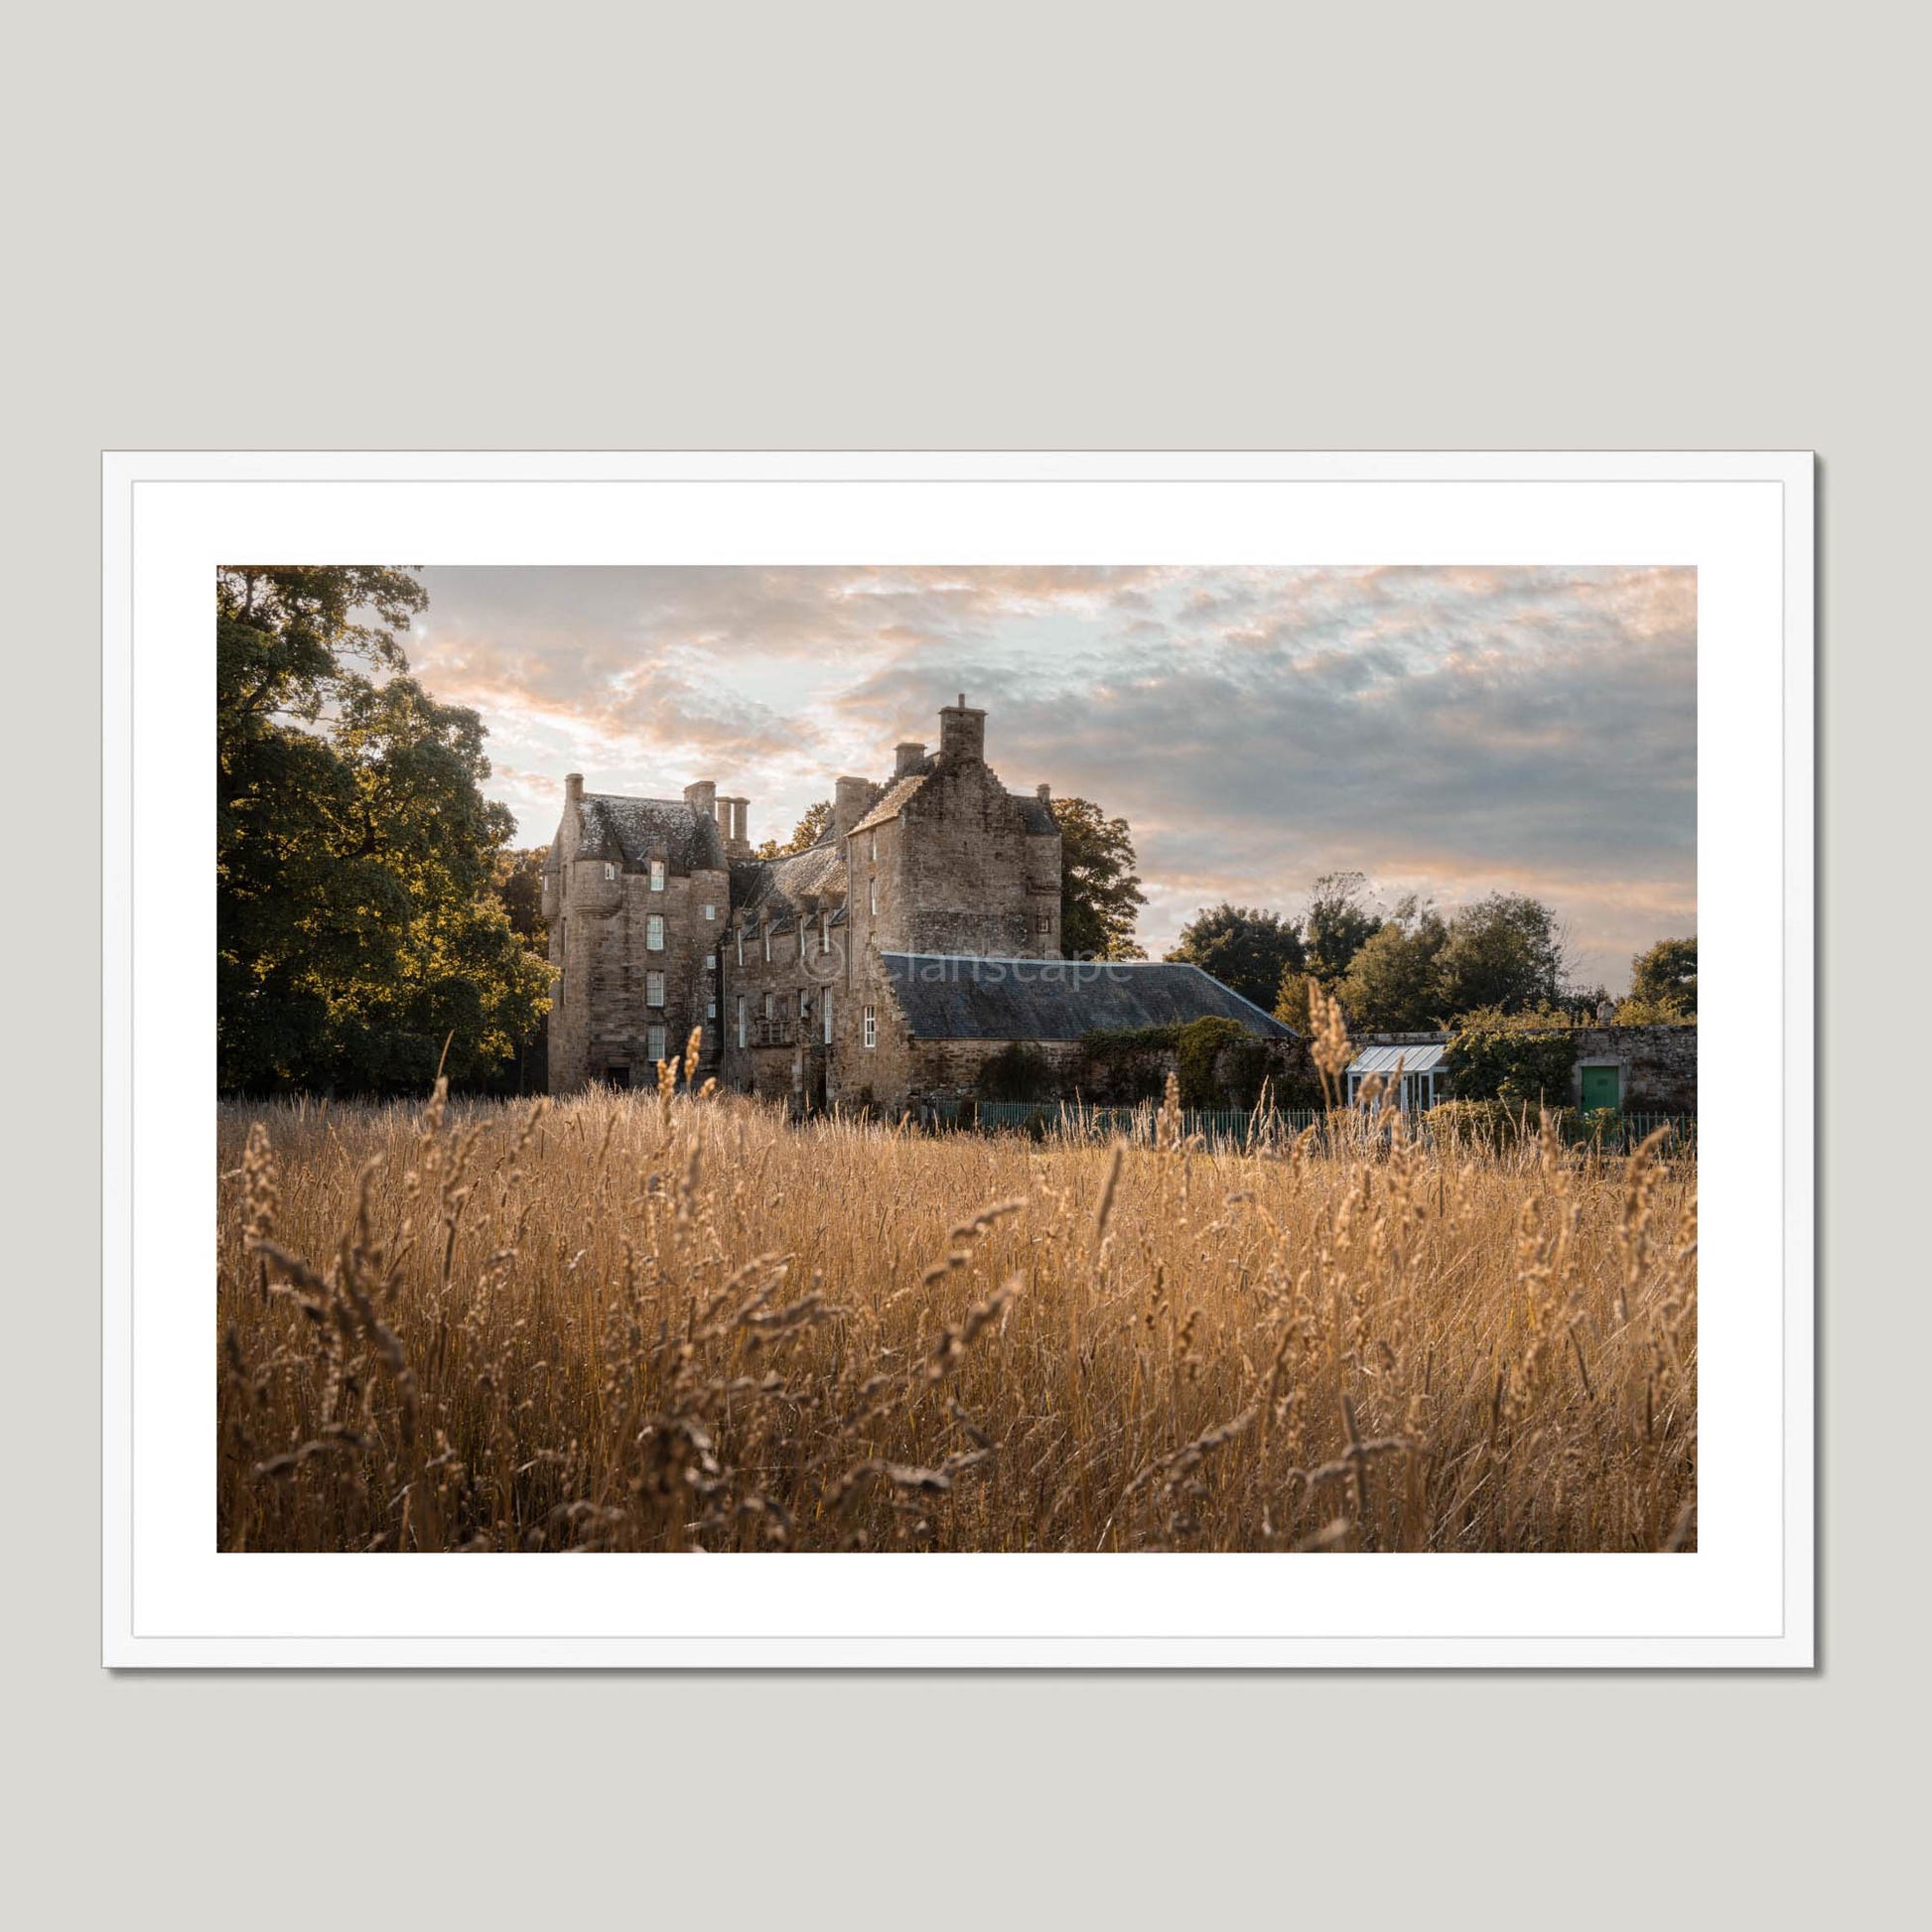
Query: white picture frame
[[1743, 1599]]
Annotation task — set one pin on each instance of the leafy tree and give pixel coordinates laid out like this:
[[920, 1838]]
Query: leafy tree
[[358, 926], [1652, 1013], [1338, 924], [804, 835], [516, 878], [1505, 951], [517, 881], [291, 641], [1291, 1006], [1099, 888], [1244, 947], [1394, 984], [1666, 977], [1587, 1004]]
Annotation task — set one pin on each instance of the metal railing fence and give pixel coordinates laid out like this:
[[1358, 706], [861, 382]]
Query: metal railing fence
[[1611, 1132]]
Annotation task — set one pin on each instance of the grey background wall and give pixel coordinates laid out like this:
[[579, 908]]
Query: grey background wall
[[1003, 226]]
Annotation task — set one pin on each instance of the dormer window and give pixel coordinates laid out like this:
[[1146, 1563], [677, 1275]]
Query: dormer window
[[658, 874]]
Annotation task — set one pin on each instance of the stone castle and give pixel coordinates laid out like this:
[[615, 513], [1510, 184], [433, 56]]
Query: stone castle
[[883, 966]]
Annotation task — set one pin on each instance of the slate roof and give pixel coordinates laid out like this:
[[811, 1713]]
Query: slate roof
[[774, 889], [945, 996], [631, 829], [1038, 814]]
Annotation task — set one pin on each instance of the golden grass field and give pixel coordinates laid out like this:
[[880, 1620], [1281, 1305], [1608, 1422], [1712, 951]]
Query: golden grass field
[[637, 1321]]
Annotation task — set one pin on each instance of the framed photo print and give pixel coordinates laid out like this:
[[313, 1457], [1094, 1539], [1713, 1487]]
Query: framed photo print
[[995, 1060]]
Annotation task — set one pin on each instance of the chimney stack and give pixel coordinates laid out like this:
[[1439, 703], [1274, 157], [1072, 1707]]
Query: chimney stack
[[702, 797], [962, 735], [1045, 793], [907, 754], [736, 809], [851, 798], [574, 789]]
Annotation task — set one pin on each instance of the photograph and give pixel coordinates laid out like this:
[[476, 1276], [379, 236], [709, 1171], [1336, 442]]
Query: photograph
[[1048, 1057]]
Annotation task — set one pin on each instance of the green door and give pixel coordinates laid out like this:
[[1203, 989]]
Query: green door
[[1601, 1089]]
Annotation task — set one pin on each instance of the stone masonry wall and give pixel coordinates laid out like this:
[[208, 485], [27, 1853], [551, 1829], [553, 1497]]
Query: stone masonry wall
[[956, 871], [609, 965], [879, 1076], [963, 871], [950, 1069], [601, 1020], [798, 984], [1658, 1064]]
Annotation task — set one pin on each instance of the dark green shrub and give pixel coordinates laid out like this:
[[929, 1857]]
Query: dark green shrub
[[1297, 1093], [1126, 1065], [1196, 1051], [1218, 1062], [1018, 1071], [1524, 1059], [1117, 1042], [1241, 1071]]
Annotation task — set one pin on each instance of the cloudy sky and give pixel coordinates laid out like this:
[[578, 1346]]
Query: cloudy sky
[[1447, 732]]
